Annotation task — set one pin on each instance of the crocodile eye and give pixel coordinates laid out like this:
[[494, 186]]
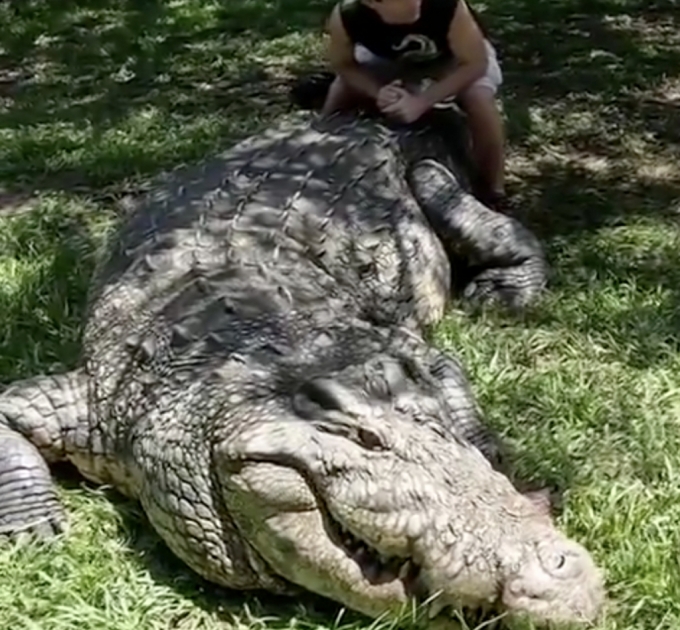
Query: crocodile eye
[[370, 440], [323, 394]]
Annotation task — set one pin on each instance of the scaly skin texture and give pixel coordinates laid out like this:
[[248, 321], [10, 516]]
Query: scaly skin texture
[[255, 373]]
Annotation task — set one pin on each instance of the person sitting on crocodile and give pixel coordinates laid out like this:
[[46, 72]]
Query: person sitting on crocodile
[[379, 48]]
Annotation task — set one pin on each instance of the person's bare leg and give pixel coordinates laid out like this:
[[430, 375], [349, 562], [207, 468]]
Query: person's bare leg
[[340, 97], [488, 137]]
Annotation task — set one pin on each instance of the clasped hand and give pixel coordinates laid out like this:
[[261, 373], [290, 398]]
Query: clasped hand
[[396, 101]]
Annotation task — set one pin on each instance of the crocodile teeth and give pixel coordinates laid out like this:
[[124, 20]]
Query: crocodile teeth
[[404, 570], [436, 607], [372, 562], [361, 551]]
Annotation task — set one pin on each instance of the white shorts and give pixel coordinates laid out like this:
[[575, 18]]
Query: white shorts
[[389, 70]]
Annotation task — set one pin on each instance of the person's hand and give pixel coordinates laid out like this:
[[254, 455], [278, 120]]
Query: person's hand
[[408, 108], [389, 94]]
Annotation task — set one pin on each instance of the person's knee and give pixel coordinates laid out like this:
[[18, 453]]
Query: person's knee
[[336, 95], [479, 104], [340, 96]]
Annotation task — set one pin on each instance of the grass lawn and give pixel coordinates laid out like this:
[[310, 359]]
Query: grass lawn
[[586, 387]]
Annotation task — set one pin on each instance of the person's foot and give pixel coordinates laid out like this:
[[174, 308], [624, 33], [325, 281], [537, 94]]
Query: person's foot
[[498, 201]]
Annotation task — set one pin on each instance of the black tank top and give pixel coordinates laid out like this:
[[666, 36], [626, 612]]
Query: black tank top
[[424, 40]]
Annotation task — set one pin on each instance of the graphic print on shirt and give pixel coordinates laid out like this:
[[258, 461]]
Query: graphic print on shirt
[[417, 47]]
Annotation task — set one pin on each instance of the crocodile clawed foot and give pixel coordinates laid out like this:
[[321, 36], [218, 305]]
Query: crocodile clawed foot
[[51, 526], [515, 288], [29, 506]]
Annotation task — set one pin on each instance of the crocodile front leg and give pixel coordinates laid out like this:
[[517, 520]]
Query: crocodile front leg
[[510, 260], [35, 415]]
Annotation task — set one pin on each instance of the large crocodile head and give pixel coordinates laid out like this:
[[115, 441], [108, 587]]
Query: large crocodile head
[[358, 490]]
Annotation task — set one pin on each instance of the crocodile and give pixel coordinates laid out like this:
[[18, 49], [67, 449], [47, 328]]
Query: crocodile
[[256, 373]]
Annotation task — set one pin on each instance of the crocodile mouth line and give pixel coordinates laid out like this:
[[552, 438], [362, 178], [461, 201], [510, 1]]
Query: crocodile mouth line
[[381, 570], [376, 568]]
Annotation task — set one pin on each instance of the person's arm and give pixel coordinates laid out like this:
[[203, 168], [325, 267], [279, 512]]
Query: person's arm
[[467, 45], [341, 59]]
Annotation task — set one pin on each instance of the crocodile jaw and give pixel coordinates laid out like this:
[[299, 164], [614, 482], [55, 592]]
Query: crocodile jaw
[[289, 526], [430, 517]]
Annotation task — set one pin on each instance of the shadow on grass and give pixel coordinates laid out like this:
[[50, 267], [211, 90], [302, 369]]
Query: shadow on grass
[[591, 81], [46, 259], [632, 286], [643, 329], [74, 75], [592, 95], [577, 47], [89, 93]]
